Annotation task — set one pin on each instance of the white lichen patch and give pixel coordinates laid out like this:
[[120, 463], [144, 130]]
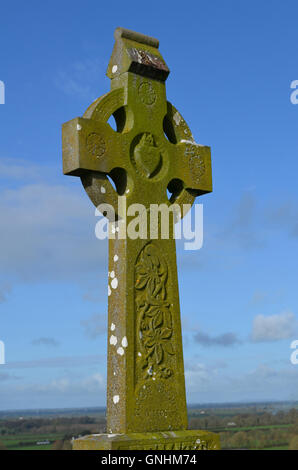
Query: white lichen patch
[[120, 351], [124, 342], [109, 291], [114, 68], [116, 257], [191, 142], [113, 327], [177, 118], [79, 127], [114, 283], [112, 274], [103, 190], [150, 371], [116, 399], [139, 354], [113, 340]]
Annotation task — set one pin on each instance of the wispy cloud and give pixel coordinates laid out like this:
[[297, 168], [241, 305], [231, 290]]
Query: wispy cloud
[[19, 169], [274, 327], [4, 291], [283, 216], [95, 325], [264, 382], [4, 377], [91, 384], [80, 78], [47, 233], [226, 339], [265, 297], [62, 361], [241, 227], [249, 224], [45, 342], [64, 391]]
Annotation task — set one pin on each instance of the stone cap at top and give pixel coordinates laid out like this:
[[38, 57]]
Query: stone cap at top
[[134, 36], [137, 53]]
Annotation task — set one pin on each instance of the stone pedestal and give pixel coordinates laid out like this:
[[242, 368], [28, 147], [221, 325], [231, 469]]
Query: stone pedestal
[[170, 440]]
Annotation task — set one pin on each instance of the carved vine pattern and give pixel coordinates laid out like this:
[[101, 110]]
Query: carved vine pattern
[[154, 317]]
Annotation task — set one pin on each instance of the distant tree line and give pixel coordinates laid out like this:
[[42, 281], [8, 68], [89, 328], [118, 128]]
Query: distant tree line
[[214, 421], [252, 430]]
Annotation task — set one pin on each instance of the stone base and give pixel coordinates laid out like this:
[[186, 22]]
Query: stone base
[[168, 440]]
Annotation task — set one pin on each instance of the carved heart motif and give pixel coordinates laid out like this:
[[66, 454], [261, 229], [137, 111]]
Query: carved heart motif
[[147, 156]]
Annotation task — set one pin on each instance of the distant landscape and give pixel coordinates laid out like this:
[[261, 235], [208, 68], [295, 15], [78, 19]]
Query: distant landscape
[[253, 426]]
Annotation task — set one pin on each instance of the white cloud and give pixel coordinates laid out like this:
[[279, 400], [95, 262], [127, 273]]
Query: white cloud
[[48, 233], [207, 383], [80, 78], [55, 362], [64, 385], [60, 392], [274, 327], [95, 325], [19, 169]]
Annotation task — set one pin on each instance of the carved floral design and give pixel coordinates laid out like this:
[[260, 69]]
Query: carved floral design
[[147, 93], [154, 318], [96, 145]]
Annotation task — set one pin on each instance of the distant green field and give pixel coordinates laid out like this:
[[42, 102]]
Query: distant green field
[[13, 442], [261, 428], [276, 448], [45, 447]]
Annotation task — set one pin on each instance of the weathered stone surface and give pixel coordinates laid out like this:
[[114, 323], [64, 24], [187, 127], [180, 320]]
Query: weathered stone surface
[[152, 150], [179, 440]]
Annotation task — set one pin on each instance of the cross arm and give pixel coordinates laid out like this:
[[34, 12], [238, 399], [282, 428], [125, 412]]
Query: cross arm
[[191, 163], [90, 145]]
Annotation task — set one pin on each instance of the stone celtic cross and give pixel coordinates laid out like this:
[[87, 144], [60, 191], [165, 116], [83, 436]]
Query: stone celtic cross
[[151, 153]]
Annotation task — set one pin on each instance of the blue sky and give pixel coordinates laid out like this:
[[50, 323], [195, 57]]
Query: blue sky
[[231, 65]]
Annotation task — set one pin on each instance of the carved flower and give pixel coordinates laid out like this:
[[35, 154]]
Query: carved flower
[[157, 343], [153, 310], [161, 315], [151, 274]]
